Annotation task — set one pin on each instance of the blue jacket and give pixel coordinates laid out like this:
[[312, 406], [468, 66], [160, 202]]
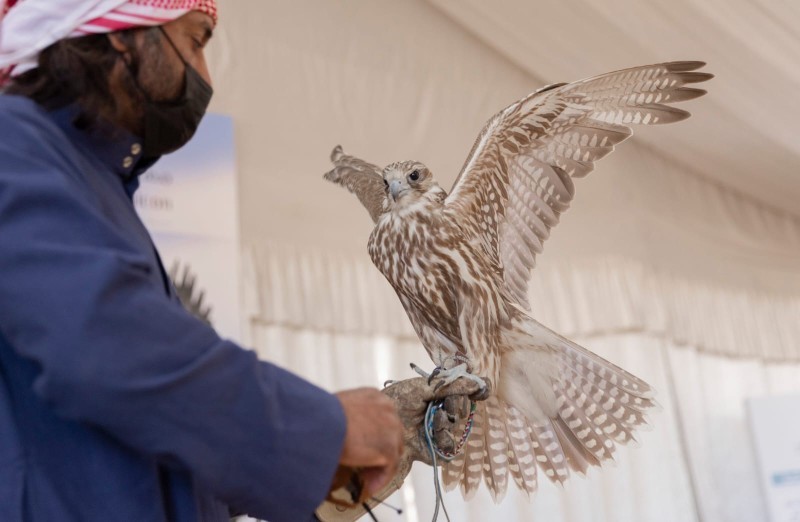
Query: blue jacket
[[115, 403]]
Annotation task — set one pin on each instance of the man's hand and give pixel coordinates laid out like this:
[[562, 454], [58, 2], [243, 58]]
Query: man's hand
[[373, 442]]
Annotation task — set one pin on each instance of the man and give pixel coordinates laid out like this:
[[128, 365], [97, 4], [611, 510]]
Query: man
[[115, 403]]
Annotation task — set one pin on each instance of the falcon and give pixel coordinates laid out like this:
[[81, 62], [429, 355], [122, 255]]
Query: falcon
[[461, 262]]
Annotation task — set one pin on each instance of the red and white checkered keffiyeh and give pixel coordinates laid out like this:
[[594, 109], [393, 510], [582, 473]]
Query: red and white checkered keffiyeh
[[29, 26]]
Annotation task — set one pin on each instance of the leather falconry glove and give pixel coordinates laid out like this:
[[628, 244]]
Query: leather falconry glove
[[411, 396]]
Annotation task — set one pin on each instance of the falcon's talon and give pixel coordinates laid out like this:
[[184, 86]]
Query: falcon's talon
[[435, 373], [389, 382], [481, 394], [451, 375]]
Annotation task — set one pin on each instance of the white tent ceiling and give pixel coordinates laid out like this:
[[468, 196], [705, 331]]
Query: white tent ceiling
[[744, 133]]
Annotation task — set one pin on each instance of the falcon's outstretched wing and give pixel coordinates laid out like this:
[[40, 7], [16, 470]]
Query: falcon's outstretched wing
[[517, 180], [361, 178]]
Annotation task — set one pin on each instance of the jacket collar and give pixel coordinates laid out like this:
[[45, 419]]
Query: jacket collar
[[119, 150]]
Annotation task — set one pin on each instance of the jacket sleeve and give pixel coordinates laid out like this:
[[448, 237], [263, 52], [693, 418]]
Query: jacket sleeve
[[117, 354]]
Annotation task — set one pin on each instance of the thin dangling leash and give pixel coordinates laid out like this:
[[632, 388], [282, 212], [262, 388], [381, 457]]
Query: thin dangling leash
[[356, 489], [435, 451]]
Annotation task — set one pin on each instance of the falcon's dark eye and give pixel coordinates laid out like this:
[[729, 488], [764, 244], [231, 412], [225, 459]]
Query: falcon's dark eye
[[414, 176], [385, 183]]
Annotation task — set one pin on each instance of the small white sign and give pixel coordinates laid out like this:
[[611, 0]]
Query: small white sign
[[775, 424]]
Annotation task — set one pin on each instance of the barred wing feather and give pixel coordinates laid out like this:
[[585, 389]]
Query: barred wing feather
[[518, 179], [361, 178]]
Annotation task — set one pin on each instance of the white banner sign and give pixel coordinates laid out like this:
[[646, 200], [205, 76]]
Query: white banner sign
[[188, 201]]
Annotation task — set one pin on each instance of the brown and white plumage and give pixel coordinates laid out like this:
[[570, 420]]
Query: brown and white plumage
[[362, 179], [461, 264]]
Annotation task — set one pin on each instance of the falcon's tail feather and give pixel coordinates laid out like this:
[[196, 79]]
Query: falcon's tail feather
[[558, 406]]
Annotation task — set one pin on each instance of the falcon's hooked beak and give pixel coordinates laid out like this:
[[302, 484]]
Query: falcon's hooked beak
[[396, 189]]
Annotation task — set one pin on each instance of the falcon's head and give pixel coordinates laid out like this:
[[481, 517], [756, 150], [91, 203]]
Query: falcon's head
[[409, 181]]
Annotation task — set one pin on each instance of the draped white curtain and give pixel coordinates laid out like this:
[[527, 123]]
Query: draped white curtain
[[329, 292]]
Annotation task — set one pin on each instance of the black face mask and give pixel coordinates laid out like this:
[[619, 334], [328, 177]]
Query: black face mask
[[169, 125]]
